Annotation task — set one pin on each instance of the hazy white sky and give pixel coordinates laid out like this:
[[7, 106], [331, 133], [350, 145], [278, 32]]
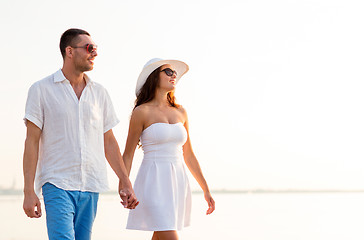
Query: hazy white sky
[[274, 92]]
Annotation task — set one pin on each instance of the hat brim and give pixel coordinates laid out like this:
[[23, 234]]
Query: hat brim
[[180, 67]]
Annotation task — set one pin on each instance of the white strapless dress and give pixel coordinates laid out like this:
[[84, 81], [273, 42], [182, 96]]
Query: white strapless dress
[[161, 185]]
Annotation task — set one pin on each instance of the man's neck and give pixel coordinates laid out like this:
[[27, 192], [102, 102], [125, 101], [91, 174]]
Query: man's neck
[[75, 77]]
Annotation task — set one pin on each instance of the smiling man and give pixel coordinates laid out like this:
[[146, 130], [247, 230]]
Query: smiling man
[[69, 121]]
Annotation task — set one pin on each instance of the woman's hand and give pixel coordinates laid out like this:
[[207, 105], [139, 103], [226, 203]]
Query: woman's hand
[[210, 201]]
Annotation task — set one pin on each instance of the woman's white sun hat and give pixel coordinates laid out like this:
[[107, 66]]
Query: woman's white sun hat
[[180, 67]]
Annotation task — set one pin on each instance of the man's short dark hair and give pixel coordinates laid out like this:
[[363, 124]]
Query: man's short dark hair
[[68, 38]]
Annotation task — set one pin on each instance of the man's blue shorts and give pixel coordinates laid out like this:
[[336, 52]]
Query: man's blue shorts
[[70, 214]]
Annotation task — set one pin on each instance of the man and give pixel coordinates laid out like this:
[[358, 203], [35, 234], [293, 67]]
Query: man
[[69, 121]]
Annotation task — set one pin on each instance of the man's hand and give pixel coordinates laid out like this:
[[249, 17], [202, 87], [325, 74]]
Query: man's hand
[[31, 205], [128, 198]]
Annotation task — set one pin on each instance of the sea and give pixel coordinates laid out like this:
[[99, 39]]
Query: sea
[[238, 216]]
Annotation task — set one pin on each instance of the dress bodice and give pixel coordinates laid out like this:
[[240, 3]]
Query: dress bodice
[[163, 141]]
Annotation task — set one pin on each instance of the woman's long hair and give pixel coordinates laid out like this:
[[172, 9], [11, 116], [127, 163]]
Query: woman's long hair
[[147, 92]]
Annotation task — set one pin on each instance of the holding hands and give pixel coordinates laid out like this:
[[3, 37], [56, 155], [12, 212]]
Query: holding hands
[[128, 198]]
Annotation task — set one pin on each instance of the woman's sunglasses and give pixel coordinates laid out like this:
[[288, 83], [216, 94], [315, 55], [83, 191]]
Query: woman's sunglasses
[[90, 48], [169, 72]]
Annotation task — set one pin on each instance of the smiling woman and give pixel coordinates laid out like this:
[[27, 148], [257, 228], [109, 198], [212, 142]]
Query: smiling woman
[[162, 126]]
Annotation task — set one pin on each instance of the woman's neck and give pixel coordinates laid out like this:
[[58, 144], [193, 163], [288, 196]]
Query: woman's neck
[[160, 99]]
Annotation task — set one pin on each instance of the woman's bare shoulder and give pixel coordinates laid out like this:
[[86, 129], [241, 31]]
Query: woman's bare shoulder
[[141, 110], [182, 110]]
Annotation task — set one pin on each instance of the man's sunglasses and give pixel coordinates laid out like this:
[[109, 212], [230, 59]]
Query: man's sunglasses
[[90, 48], [169, 72]]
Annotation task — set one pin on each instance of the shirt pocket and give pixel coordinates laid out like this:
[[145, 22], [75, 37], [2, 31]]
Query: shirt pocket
[[95, 115]]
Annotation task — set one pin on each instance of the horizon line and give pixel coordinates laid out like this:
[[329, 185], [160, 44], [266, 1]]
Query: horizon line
[[227, 191]]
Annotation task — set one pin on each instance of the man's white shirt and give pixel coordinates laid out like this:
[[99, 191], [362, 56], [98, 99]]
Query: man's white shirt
[[71, 150]]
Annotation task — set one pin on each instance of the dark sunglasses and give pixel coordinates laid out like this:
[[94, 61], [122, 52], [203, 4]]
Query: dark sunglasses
[[169, 72], [90, 48]]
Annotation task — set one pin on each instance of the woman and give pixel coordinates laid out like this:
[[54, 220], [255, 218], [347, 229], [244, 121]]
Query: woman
[[161, 125]]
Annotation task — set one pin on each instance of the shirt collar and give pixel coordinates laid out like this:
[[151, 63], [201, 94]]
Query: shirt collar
[[59, 77]]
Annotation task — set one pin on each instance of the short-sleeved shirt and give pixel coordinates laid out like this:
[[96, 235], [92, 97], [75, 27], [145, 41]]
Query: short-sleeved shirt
[[71, 151]]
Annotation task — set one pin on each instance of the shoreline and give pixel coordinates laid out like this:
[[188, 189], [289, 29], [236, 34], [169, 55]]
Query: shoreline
[[17, 192]]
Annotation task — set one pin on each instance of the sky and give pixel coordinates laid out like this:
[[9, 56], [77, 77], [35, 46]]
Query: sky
[[274, 93]]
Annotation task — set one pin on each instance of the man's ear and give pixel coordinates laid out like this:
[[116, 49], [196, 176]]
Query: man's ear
[[69, 52]]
